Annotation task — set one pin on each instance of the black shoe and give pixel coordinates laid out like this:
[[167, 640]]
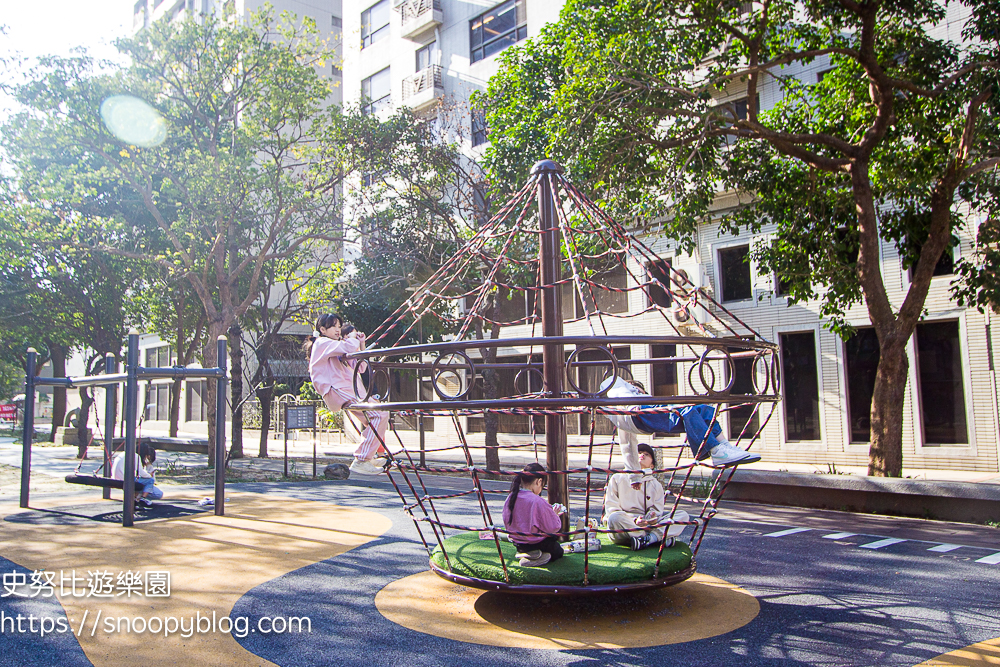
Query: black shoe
[[145, 502], [640, 543]]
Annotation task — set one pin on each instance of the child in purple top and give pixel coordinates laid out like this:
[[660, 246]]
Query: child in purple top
[[527, 516]]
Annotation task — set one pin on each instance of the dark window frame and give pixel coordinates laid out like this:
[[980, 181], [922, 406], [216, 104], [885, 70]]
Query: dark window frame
[[790, 400], [922, 347], [370, 34], [369, 104], [743, 369], [721, 254], [483, 44], [429, 50], [480, 130], [855, 399], [660, 269]]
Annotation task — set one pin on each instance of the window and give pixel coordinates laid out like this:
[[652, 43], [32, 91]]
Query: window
[[800, 386], [598, 296], [603, 295], [375, 23], [660, 270], [197, 401], [404, 389], [158, 402], [514, 306], [336, 23], [480, 204], [425, 56], [507, 423], [497, 29], [589, 379], [942, 397], [744, 420], [734, 273], [822, 74], [664, 373], [376, 92], [158, 356], [336, 71], [479, 128], [781, 286], [861, 355], [945, 265]]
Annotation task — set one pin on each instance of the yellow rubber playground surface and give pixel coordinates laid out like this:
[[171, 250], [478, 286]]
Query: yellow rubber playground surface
[[214, 561]]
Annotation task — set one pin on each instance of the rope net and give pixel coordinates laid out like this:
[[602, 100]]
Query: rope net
[[487, 373]]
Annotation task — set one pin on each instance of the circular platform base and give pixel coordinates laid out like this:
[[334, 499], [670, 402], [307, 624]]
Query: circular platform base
[[698, 608], [564, 589], [469, 560]]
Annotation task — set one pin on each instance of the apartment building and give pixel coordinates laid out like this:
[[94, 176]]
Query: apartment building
[[153, 351], [425, 54]]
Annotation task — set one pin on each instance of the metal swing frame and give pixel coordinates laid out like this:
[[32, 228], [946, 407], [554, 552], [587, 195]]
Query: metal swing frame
[[130, 378]]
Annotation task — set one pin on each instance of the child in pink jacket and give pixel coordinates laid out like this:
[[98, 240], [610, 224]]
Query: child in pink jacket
[[334, 379], [527, 516]]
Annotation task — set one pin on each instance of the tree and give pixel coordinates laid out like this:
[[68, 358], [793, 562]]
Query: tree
[[897, 141], [419, 200], [265, 323], [243, 169], [60, 297]]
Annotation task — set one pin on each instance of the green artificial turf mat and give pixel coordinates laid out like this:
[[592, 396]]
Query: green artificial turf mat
[[613, 564]]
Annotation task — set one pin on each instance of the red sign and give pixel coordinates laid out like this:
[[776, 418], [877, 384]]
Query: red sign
[[8, 412]]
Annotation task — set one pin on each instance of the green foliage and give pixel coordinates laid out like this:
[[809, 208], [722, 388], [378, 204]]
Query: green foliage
[[245, 178], [633, 98]]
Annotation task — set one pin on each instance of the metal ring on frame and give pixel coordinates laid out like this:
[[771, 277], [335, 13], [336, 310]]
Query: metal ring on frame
[[437, 372], [380, 371], [527, 383], [375, 368], [775, 373], [709, 390], [753, 375], [572, 360]]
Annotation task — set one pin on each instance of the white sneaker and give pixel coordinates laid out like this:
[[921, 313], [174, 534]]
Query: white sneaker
[[725, 455], [364, 468], [576, 546], [542, 559]]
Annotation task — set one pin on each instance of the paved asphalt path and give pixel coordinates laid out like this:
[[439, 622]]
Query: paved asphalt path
[[834, 589]]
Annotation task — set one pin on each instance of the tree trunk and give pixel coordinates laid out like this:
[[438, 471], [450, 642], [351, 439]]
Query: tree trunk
[[58, 359], [215, 330], [236, 392], [491, 385], [491, 419], [265, 394], [885, 458], [83, 422], [175, 407]]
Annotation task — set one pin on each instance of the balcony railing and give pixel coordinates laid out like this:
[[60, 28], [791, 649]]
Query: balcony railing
[[417, 16], [424, 87], [413, 9]]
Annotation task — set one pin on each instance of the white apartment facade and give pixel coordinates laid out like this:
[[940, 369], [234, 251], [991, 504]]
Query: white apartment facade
[[423, 53]]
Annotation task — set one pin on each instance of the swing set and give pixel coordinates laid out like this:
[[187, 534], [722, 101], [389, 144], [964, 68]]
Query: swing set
[[109, 380]]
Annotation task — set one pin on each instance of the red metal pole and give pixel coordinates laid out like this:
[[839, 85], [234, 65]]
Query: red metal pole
[[553, 359]]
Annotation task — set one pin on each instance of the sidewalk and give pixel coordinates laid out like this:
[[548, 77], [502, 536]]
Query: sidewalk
[[938, 494]]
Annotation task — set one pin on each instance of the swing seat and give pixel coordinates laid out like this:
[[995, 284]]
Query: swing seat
[[94, 480]]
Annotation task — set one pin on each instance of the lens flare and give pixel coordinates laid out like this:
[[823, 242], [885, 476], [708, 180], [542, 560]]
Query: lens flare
[[134, 121]]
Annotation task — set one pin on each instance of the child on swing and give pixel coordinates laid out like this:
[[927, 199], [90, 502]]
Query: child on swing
[[333, 377], [146, 490], [526, 515]]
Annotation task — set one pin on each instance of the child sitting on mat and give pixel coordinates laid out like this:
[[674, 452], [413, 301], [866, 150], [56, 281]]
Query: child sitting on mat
[[527, 516]]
